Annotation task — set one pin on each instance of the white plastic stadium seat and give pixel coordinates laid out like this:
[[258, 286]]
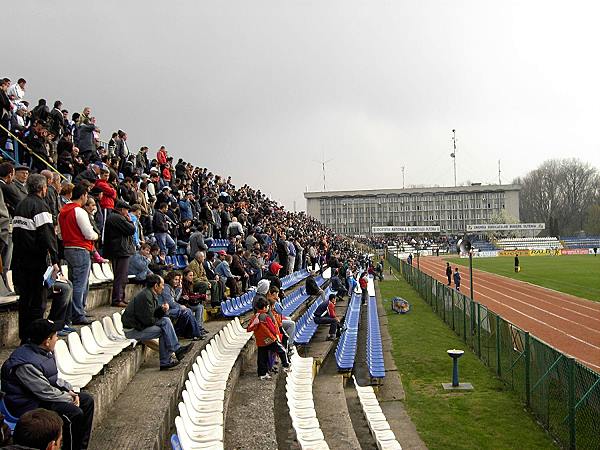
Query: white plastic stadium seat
[[188, 444], [77, 381], [81, 355], [107, 271], [117, 320], [111, 332], [103, 340], [91, 346], [69, 366]]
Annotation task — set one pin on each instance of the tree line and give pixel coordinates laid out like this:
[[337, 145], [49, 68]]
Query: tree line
[[564, 194]]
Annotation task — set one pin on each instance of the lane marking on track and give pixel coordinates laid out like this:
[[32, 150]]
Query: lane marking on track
[[485, 286], [558, 330]]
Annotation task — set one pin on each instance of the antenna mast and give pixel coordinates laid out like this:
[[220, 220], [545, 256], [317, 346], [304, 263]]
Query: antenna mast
[[499, 172], [453, 154]]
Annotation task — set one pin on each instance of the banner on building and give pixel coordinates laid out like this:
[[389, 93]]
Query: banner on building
[[575, 251], [400, 229], [505, 227]]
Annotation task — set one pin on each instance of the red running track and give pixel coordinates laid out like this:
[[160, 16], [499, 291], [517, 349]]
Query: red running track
[[568, 323]]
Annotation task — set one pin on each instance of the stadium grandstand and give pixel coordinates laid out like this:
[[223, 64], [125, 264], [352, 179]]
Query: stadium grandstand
[[124, 254]]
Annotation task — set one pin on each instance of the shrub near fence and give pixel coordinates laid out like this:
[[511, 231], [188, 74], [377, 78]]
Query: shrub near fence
[[562, 394]]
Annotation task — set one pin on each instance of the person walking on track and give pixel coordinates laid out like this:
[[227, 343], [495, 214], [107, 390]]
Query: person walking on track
[[449, 273], [457, 279]]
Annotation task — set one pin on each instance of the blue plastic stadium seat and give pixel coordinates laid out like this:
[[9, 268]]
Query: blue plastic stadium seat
[[345, 352], [10, 420], [375, 362], [175, 444]]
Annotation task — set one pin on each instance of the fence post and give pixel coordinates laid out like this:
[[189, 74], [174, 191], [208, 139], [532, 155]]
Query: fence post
[[572, 411], [479, 330], [498, 359], [444, 296], [527, 370], [452, 297], [464, 299]]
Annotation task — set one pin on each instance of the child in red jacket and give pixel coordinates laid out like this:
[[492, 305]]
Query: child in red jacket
[[267, 338]]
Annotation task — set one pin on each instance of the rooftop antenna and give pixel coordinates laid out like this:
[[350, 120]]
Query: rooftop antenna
[[499, 172], [402, 177], [323, 162], [453, 154]]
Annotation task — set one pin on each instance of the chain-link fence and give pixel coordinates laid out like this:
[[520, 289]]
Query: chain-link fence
[[562, 394]]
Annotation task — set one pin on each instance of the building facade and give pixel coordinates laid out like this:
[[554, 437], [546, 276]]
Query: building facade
[[452, 208]]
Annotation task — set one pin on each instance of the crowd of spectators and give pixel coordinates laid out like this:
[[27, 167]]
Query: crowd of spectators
[[76, 200]]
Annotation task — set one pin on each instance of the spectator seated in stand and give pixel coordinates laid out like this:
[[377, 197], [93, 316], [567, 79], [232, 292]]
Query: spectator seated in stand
[[145, 319]]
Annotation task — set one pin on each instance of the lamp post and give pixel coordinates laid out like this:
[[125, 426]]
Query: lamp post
[[464, 246]]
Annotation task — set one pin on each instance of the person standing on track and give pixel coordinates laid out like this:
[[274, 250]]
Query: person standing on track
[[517, 267], [456, 279], [449, 273]]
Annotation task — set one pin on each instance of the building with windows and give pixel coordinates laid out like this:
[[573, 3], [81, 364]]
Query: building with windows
[[452, 208]]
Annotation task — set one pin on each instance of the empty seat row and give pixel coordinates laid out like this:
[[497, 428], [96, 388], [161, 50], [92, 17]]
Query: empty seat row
[[86, 355], [293, 278], [298, 391], [218, 243], [292, 302], [239, 306], [99, 273], [375, 361], [345, 352], [200, 421], [179, 262], [378, 424], [306, 326]]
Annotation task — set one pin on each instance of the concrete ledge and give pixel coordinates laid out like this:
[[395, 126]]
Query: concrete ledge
[[114, 379], [97, 296]]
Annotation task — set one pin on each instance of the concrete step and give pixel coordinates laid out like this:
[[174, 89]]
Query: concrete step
[[332, 410], [143, 415]]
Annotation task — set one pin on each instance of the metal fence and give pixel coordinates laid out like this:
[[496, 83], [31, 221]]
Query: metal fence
[[562, 394]]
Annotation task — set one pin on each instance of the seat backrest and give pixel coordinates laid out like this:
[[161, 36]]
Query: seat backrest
[[98, 332], [88, 341], [118, 323], [64, 360], [107, 271], [109, 328]]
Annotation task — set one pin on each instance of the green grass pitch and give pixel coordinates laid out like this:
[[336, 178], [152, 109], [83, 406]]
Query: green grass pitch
[[577, 275]]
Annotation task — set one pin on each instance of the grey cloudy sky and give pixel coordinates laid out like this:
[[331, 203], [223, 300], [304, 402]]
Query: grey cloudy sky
[[260, 90]]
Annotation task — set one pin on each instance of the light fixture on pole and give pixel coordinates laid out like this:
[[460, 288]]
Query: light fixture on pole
[[464, 246]]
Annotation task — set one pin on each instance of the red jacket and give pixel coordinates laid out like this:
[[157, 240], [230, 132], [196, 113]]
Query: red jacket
[[109, 194], [363, 282], [161, 157], [264, 329], [75, 227]]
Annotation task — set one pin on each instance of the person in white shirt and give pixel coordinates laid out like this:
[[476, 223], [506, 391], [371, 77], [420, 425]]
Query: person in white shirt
[[16, 92]]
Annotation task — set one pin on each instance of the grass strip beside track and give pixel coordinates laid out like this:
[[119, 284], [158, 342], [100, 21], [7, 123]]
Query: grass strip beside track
[[577, 275], [490, 417]]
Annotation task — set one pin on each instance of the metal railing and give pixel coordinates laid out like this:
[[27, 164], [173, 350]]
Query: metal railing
[[562, 393]]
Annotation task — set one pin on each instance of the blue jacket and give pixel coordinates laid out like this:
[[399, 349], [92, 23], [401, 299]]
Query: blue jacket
[[185, 209], [18, 398], [170, 296], [138, 266], [456, 278]]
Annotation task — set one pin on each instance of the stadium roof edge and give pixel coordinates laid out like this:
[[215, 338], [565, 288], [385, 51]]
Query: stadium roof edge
[[409, 191]]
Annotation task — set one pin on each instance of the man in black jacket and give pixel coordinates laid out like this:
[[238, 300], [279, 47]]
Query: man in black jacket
[[145, 319], [35, 248], [118, 247], [312, 288], [160, 225]]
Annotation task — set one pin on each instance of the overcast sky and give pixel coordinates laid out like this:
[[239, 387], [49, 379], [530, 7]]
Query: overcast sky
[[262, 90]]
